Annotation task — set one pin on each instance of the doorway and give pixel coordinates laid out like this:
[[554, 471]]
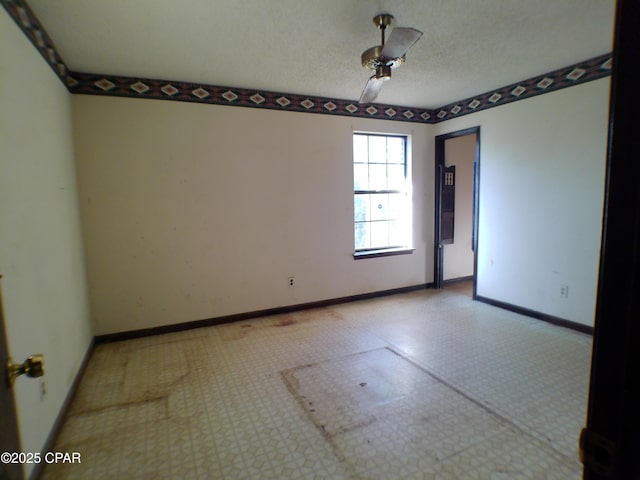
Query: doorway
[[457, 164]]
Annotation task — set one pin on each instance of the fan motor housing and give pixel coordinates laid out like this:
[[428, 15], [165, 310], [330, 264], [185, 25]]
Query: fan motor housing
[[372, 58]]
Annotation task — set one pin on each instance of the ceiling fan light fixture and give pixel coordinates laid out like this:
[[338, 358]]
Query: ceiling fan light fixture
[[382, 58]]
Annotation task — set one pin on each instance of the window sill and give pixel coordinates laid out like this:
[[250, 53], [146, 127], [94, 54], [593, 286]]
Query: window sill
[[385, 252]]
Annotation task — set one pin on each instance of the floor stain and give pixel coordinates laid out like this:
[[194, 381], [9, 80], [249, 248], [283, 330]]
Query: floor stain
[[239, 331], [285, 322], [161, 399], [293, 386]]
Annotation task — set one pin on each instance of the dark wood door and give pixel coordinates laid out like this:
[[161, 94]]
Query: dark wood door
[[611, 442], [9, 439]]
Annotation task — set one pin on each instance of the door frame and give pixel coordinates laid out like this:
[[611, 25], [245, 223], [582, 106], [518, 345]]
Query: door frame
[[438, 253], [10, 438]]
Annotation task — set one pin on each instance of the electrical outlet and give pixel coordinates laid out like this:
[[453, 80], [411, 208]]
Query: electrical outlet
[[564, 291], [290, 281]]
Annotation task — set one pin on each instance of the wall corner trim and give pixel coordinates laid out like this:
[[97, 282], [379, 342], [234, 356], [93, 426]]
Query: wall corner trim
[[561, 322]]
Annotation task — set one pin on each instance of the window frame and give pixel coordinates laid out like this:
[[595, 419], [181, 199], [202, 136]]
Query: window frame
[[389, 250]]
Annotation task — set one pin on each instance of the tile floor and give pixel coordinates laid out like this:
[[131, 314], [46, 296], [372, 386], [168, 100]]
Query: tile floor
[[424, 385]]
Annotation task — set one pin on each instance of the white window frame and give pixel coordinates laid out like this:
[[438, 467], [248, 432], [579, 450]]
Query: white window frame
[[406, 212]]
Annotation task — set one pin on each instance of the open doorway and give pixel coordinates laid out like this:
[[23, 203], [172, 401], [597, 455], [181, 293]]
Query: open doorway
[[457, 164]]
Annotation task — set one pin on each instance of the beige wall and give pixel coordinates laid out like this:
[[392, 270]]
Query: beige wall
[[41, 260], [458, 256], [542, 164], [197, 211]]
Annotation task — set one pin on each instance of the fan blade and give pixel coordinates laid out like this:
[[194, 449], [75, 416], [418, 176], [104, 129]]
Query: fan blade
[[400, 40], [371, 89]]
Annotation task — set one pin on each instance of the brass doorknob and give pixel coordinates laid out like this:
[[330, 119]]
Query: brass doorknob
[[32, 367]]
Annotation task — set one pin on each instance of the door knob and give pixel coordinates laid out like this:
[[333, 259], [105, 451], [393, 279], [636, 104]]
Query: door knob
[[32, 367]]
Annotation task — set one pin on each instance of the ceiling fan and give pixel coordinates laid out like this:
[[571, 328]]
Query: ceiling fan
[[382, 58]]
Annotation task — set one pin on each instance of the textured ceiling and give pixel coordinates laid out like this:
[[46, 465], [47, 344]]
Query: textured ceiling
[[313, 47]]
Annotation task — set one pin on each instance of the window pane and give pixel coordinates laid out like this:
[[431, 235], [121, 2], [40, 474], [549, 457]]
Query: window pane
[[379, 206], [360, 176], [379, 234], [361, 208], [362, 235], [377, 177], [396, 177], [398, 233], [360, 149], [377, 149], [395, 150], [397, 205]]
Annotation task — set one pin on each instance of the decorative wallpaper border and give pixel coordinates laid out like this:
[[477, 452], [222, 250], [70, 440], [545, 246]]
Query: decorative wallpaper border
[[586, 71], [93, 84], [110, 85], [24, 17]]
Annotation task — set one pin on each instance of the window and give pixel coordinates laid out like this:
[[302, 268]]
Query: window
[[381, 200]]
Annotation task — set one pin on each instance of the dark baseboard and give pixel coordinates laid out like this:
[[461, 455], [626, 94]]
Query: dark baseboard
[[236, 317], [49, 444], [453, 281], [537, 315]]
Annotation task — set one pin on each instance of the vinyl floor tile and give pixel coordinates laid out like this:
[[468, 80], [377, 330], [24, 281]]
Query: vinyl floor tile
[[423, 385]]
